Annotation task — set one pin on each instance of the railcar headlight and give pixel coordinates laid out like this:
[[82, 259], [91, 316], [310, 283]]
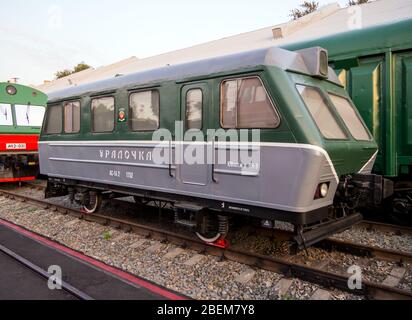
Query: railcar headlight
[[11, 90], [324, 189]]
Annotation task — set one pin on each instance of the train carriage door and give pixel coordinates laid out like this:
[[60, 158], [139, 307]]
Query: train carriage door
[[195, 108], [365, 84], [403, 103]]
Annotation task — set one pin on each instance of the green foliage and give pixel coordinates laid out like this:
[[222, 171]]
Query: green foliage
[[63, 73], [79, 67], [106, 235], [357, 2], [306, 8]]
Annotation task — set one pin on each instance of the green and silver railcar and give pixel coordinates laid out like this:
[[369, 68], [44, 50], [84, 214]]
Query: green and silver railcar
[[269, 134]]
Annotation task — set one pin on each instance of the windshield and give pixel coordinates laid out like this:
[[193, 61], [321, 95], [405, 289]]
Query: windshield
[[29, 116], [6, 118], [350, 117], [318, 108]]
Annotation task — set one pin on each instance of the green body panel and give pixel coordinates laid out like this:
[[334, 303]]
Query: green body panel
[[24, 95], [375, 65], [296, 125]]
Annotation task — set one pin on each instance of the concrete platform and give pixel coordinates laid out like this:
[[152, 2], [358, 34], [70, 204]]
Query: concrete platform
[[99, 281]]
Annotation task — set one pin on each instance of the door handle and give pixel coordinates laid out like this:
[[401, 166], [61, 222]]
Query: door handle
[[170, 159], [213, 162]]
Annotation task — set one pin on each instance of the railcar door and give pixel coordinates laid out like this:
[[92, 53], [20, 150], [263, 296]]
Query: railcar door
[[403, 103], [195, 113]]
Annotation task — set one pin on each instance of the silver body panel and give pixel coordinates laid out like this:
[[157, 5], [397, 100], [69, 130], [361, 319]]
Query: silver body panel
[[285, 178]]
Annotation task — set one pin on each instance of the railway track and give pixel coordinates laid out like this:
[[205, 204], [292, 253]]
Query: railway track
[[316, 275]]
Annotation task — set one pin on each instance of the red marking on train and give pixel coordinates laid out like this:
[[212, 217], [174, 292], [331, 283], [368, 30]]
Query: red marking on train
[[29, 142], [121, 274], [17, 179]]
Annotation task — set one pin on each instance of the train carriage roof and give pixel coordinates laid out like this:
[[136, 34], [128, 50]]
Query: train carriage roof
[[391, 36], [273, 56], [23, 94]]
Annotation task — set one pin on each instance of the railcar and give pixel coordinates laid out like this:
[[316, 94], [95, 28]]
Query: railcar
[[267, 134], [375, 66], [21, 115]]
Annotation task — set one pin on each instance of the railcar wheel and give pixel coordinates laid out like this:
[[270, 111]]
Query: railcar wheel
[[212, 227], [93, 203]]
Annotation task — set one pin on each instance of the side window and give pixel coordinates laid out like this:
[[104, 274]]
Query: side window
[[245, 104], [194, 109], [29, 116], [6, 117], [54, 119], [350, 117], [103, 114], [144, 110], [321, 114], [72, 117]]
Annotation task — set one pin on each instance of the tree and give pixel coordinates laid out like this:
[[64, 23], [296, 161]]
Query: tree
[[356, 2], [307, 7], [66, 72], [63, 73], [81, 66]]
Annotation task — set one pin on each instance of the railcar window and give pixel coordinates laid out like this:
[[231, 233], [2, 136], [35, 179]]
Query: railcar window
[[144, 110], [103, 114], [350, 117], [29, 116], [54, 119], [194, 109], [245, 104], [318, 108], [72, 117], [6, 118]]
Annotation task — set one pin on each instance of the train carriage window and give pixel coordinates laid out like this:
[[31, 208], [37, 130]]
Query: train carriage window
[[318, 108], [6, 117], [246, 104], [194, 109], [29, 116], [54, 119], [72, 117], [350, 117], [144, 110], [103, 114]]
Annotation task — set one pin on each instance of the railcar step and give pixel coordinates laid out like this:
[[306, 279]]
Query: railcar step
[[186, 223], [188, 206]]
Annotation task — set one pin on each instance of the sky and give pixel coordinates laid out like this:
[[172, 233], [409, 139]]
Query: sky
[[40, 37]]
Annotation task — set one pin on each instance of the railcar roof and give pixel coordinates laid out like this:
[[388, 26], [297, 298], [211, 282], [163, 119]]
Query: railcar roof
[[272, 56]]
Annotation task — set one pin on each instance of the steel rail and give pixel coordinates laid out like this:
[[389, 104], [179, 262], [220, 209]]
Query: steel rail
[[398, 230], [307, 273], [332, 244]]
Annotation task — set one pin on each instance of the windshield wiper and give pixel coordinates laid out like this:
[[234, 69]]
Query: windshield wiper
[[28, 113]]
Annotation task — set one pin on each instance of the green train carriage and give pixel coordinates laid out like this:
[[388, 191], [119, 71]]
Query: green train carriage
[[375, 65], [313, 154]]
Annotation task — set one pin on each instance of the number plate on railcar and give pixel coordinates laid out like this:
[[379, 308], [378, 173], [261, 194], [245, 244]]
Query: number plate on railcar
[[15, 146]]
